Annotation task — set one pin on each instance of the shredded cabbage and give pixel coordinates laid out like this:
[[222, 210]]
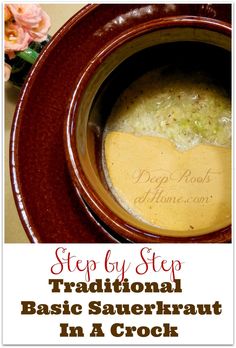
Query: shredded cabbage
[[188, 109]]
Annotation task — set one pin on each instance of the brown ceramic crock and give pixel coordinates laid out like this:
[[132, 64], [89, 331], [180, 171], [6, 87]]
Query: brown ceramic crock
[[185, 39], [50, 209]]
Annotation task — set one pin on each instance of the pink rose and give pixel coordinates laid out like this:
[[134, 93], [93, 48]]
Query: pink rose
[[16, 39], [7, 71], [7, 13], [33, 19], [40, 32], [26, 15]]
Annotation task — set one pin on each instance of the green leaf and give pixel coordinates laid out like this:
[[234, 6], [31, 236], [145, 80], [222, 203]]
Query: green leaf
[[28, 55]]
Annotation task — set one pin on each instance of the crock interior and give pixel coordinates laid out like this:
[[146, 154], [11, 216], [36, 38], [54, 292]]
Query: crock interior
[[188, 48]]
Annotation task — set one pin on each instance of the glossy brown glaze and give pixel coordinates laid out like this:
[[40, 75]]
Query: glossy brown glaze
[[79, 158], [48, 206]]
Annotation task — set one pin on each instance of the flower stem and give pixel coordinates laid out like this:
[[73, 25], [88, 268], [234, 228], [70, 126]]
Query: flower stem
[[28, 55]]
